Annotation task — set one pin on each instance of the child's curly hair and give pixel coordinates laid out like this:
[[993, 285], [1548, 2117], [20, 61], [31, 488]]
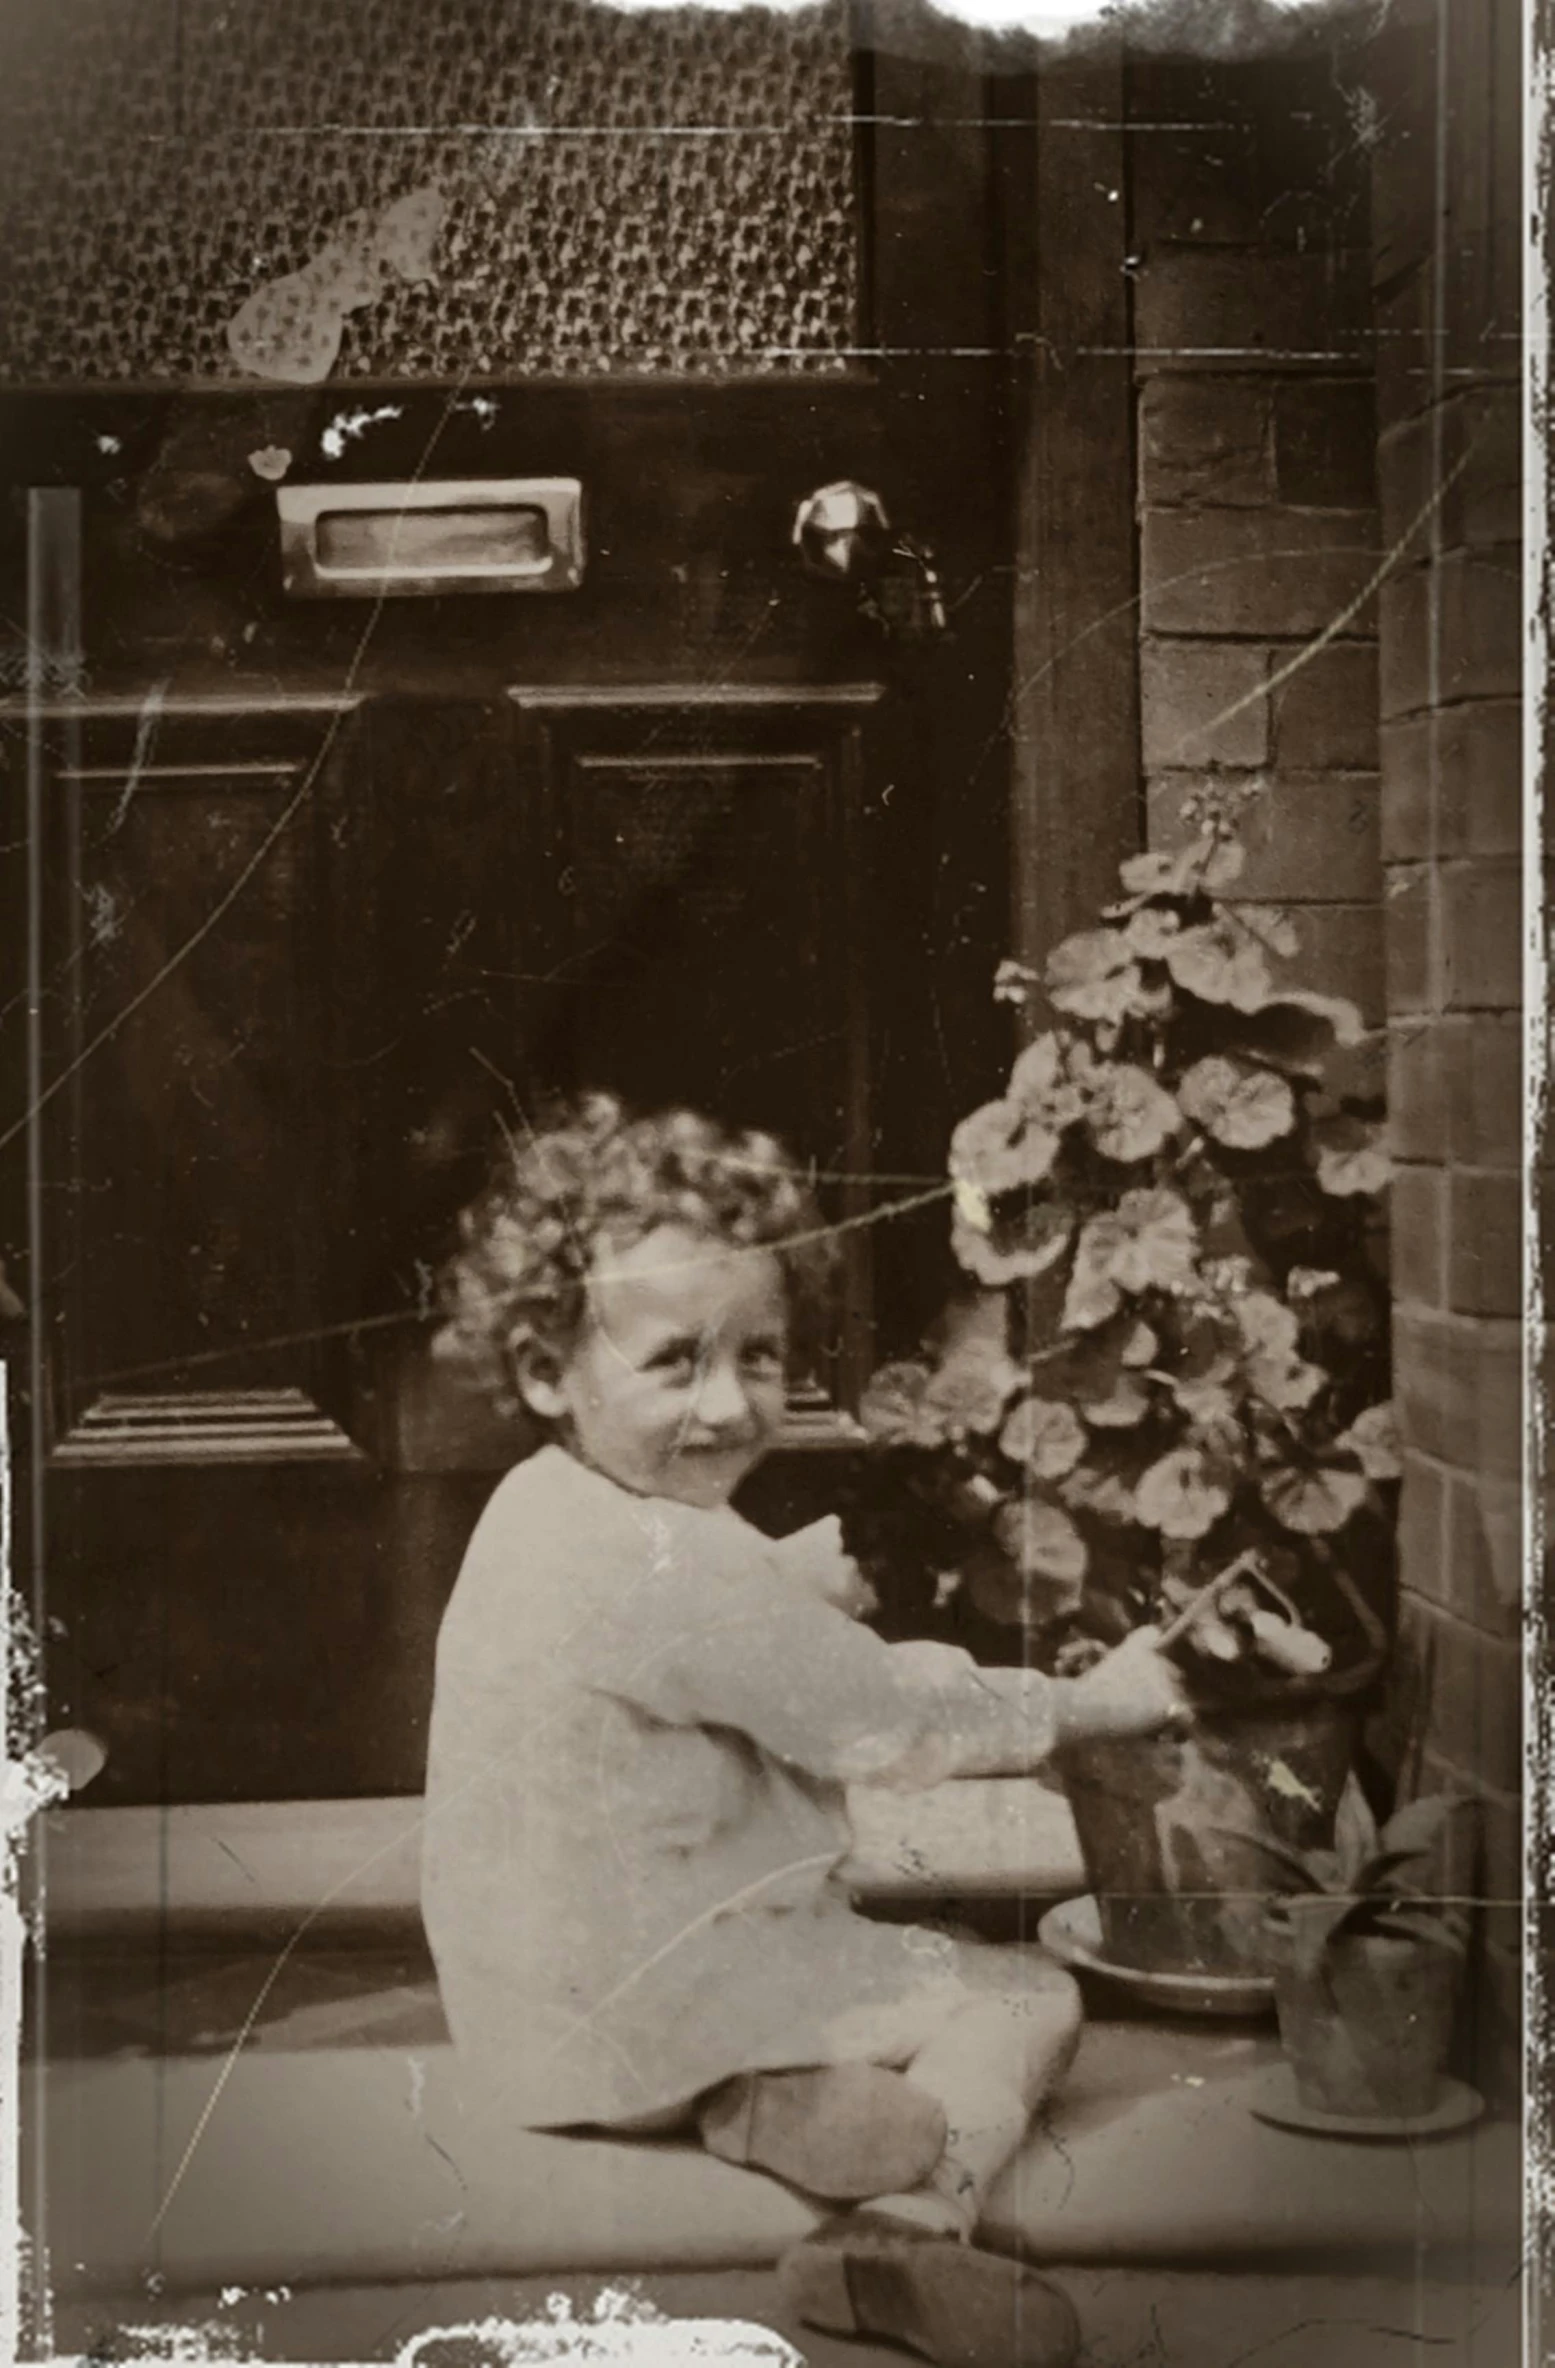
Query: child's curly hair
[[594, 1174]]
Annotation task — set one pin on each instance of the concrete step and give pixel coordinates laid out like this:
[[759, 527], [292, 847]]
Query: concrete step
[[351, 2165]]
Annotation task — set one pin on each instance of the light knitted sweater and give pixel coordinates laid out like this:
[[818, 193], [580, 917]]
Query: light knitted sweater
[[642, 1726]]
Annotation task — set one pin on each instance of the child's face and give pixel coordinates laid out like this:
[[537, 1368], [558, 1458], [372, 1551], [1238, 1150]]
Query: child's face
[[675, 1387]]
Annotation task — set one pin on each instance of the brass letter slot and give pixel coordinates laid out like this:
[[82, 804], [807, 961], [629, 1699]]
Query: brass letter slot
[[491, 534]]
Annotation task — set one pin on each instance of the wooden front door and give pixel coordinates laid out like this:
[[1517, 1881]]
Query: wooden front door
[[317, 895]]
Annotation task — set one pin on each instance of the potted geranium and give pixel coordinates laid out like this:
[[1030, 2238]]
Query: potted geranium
[[1172, 1364], [1368, 1950]]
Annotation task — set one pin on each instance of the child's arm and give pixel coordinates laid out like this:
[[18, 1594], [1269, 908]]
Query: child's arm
[[717, 1639], [814, 1557], [1134, 1691]]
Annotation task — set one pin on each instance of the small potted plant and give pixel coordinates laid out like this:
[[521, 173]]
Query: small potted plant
[[1368, 1954], [1171, 1366]]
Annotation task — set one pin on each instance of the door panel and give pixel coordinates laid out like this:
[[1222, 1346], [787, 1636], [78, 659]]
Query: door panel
[[192, 865]]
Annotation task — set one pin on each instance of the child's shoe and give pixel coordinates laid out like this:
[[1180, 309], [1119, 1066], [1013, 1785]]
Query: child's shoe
[[865, 2273], [840, 2131]]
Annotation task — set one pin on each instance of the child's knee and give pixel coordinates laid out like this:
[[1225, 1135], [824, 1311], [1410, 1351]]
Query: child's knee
[[1052, 2015]]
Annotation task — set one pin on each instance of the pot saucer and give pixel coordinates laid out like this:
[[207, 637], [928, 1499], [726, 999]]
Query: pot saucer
[[1271, 2096], [1071, 1932]]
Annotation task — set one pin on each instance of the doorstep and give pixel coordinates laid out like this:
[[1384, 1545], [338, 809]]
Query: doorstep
[[336, 2165]]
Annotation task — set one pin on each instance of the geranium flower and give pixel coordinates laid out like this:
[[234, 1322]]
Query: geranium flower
[[1128, 1116], [1242, 1107]]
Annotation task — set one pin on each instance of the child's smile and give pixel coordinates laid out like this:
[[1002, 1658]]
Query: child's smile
[[676, 1386]]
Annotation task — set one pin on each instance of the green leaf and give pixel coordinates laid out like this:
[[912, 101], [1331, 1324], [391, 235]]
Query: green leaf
[[1296, 1032], [1212, 962], [1013, 1249], [1043, 1543], [1314, 1928], [1438, 1926], [1155, 1240], [1128, 1116], [1355, 1830], [1094, 976], [1045, 1436], [1092, 1296], [1124, 1406], [1280, 1854], [1350, 1156], [1314, 1501], [892, 1410], [1420, 1825], [1042, 1083], [1269, 925], [998, 1149], [1373, 1440], [1183, 1494], [972, 1386], [1240, 1106]]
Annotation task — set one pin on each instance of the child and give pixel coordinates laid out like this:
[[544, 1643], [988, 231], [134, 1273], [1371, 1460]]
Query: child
[[645, 1715]]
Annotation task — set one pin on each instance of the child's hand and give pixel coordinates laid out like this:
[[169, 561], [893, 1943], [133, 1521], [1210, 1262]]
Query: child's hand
[[1134, 1690], [815, 1558]]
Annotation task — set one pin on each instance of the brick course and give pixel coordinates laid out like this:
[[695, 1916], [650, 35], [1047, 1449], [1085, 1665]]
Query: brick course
[[1203, 703], [1265, 572], [1310, 837], [1206, 311], [1325, 712]]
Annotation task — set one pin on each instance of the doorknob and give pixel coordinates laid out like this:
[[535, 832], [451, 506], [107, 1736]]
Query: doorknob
[[843, 534]]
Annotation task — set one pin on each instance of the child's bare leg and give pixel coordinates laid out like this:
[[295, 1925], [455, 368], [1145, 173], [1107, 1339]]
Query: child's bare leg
[[843, 2131], [901, 2267], [989, 2068]]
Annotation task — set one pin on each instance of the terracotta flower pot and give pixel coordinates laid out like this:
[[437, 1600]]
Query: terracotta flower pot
[[1366, 2033], [1171, 1899]]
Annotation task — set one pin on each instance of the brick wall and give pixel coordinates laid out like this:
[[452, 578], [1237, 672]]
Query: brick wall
[[1326, 272], [1258, 527], [1447, 86]]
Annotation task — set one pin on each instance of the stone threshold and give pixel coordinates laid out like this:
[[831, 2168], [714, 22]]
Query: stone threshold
[[348, 1862]]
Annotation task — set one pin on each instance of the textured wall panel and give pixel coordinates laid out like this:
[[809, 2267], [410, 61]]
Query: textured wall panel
[[620, 192]]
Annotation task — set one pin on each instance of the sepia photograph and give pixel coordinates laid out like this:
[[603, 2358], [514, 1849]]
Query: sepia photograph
[[771, 1125]]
